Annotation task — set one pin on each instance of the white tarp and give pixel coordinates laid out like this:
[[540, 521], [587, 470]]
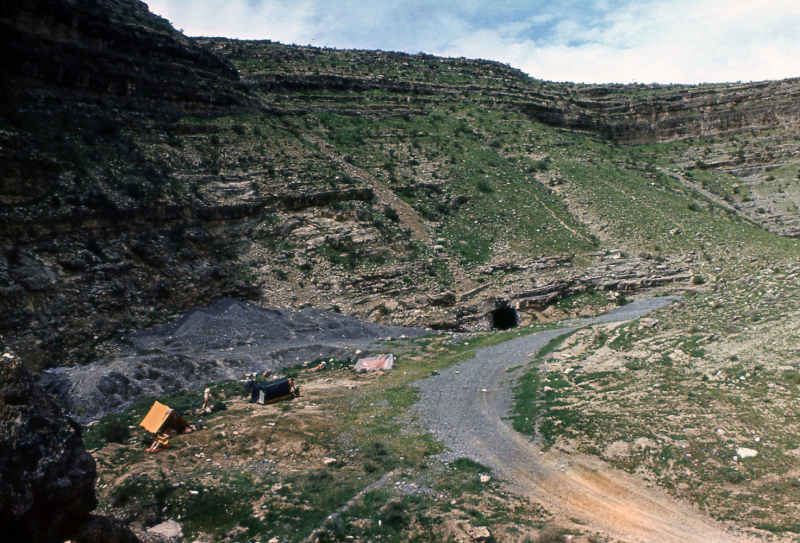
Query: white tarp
[[383, 362]]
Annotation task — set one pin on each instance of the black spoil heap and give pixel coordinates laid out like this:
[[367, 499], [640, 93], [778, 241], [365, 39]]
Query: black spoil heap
[[46, 476]]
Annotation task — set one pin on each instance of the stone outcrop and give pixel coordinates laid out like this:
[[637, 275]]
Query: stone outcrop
[[47, 479], [632, 115]]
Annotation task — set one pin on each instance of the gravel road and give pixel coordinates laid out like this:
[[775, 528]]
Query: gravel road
[[466, 406]]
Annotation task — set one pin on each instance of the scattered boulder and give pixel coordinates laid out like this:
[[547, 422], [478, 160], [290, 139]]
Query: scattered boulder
[[46, 476], [744, 452], [479, 533], [30, 273], [168, 528], [444, 298]]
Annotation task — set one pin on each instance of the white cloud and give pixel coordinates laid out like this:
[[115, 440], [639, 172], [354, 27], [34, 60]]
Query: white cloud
[[682, 41]]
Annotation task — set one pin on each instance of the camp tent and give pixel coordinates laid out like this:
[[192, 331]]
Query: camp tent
[[271, 391], [162, 418], [382, 362]]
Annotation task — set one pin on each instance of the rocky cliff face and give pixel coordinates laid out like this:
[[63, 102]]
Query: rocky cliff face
[[96, 70], [634, 115], [46, 476]]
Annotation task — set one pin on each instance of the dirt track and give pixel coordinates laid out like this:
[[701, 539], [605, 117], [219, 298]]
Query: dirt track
[[466, 405]]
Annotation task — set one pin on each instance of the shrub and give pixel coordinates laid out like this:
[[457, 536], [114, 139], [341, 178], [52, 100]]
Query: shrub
[[391, 214], [394, 514], [733, 476], [550, 535], [114, 429], [469, 465], [484, 186]]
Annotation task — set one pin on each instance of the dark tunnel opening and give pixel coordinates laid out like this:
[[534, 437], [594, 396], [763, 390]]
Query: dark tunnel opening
[[504, 317]]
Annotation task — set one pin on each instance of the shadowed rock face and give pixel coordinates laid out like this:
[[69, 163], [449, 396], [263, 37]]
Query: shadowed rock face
[[101, 47], [46, 476]]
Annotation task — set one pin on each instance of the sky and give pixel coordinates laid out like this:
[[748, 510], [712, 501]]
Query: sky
[[583, 41]]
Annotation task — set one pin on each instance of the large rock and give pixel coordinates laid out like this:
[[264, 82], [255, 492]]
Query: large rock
[[31, 274], [104, 530], [46, 476]]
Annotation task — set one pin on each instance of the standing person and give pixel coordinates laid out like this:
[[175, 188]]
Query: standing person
[[206, 397]]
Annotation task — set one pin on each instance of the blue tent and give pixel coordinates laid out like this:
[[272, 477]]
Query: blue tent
[[271, 391]]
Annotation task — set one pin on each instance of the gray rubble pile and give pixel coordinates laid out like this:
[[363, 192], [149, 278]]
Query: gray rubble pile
[[218, 342]]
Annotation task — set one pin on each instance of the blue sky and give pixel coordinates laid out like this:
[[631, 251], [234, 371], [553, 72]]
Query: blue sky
[[592, 41]]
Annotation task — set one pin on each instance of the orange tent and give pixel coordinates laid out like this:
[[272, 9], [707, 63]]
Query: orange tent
[[161, 418]]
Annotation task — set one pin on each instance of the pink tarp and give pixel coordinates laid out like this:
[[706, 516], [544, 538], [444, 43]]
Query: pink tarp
[[382, 362]]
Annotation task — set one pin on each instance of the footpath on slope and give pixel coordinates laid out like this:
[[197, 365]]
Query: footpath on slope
[[708, 194], [474, 424], [408, 217]]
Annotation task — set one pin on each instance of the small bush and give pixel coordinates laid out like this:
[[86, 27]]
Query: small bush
[[550, 535], [391, 214], [114, 430], [377, 450], [484, 186], [394, 514], [733, 476], [468, 465]]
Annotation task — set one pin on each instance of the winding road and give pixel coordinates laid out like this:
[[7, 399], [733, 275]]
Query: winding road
[[472, 423]]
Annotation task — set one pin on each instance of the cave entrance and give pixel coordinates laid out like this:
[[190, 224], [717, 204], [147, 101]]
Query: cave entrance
[[504, 317]]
